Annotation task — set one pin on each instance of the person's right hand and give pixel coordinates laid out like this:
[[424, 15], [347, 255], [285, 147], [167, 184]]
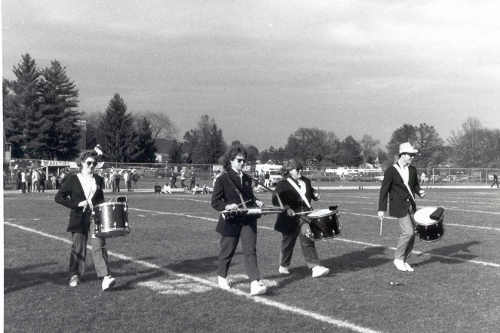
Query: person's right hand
[[232, 206], [380, 214], [85, 204]]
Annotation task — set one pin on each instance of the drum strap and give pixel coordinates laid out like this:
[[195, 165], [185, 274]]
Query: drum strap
[[301, 192], [400, 171], [237, 191], [89, 187]]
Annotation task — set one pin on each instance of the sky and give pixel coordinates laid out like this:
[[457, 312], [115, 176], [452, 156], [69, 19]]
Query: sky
[[263, 68]]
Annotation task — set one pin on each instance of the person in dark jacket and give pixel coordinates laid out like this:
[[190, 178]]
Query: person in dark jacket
[[80, 193], [401, 184], [296, 193], [232, 191]]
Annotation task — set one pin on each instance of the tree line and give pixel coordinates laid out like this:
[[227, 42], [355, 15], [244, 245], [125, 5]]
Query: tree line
[[41, 121]]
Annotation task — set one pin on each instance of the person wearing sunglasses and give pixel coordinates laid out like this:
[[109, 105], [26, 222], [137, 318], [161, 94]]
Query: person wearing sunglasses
[[80, 193], [296, 194], [232, 191], [400, 184]]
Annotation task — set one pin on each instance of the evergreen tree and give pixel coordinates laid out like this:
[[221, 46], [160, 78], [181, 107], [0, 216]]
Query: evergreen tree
[[205, 144], [20, 98], [55, 129], [145, 145], [116, 131], [13, 127]]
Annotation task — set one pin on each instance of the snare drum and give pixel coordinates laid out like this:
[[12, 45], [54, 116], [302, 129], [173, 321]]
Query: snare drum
[[324, 223], [111, 219], [428, 229]]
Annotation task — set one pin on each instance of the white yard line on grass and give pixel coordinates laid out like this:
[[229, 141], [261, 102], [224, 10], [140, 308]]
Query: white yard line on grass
[[234, 291], [447, 224], [477, 262]]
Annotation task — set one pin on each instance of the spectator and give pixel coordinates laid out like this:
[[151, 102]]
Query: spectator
[[192, 183], [183, 177], [495, 180], [43, 179], [135, 177], [127, 180], [24, 183], [115, 180], [35, 178], [29, 180], [173, 179]]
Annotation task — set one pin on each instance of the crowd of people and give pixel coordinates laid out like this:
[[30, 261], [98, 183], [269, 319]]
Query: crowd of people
[[36, 180]]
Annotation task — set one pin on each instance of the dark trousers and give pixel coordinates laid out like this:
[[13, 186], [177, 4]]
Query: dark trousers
[[79, 254], [228, 246], [308, 249], [116, 185]]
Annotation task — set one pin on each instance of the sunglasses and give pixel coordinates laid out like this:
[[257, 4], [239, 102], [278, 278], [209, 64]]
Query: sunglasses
[[89, 163], [411, 155]]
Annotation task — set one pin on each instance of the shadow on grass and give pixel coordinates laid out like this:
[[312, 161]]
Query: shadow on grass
[[20, 278], [460, 251], [349, 262], [194, 266]]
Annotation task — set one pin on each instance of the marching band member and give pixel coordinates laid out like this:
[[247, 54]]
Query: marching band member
[[295, 193], [233, 190], [401, 184], [81, 192]]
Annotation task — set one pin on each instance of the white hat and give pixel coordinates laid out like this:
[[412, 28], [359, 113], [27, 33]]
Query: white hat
[[406, 147]]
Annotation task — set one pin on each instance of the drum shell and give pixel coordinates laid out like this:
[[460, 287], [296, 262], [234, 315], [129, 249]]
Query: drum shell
[[430, 232], [325, 226], [111, 219]]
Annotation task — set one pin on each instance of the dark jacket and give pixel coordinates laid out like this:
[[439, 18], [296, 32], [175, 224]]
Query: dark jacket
[[400, 201], [71, 194], [291, 199], [225, 193]]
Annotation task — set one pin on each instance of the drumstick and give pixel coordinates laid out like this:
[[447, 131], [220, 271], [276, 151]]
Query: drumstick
[[243, 203], [304, 213]]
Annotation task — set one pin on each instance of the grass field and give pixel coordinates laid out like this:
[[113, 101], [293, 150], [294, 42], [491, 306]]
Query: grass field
[[166, 270]]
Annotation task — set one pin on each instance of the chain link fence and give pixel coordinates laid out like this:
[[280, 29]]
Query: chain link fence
[[149, 175]]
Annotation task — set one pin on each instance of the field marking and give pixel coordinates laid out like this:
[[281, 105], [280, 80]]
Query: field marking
[[207, 282], [478, 262], [447, 224]]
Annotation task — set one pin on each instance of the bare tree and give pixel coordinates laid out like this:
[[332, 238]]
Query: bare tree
[[161, 125]]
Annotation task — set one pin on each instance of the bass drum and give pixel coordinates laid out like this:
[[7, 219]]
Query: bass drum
[[111, 219], [429, 223]]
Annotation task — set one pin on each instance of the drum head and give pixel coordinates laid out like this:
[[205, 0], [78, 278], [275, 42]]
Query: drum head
[[423, 216], [320, 213]]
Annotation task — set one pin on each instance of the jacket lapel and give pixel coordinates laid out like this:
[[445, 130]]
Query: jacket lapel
[[236, 179]]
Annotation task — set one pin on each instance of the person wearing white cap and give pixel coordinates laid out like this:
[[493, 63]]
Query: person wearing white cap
[[401, 184]]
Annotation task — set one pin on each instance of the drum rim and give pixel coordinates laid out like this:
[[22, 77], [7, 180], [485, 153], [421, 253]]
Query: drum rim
[[109, 203], [327, 211]]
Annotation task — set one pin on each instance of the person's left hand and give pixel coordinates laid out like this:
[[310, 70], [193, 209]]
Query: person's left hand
[[421, 193], [259, 203]]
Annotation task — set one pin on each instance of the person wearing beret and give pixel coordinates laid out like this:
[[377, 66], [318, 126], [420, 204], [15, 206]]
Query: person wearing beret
[[232, 191], [80, 193], [400, 184], [295, 193]]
